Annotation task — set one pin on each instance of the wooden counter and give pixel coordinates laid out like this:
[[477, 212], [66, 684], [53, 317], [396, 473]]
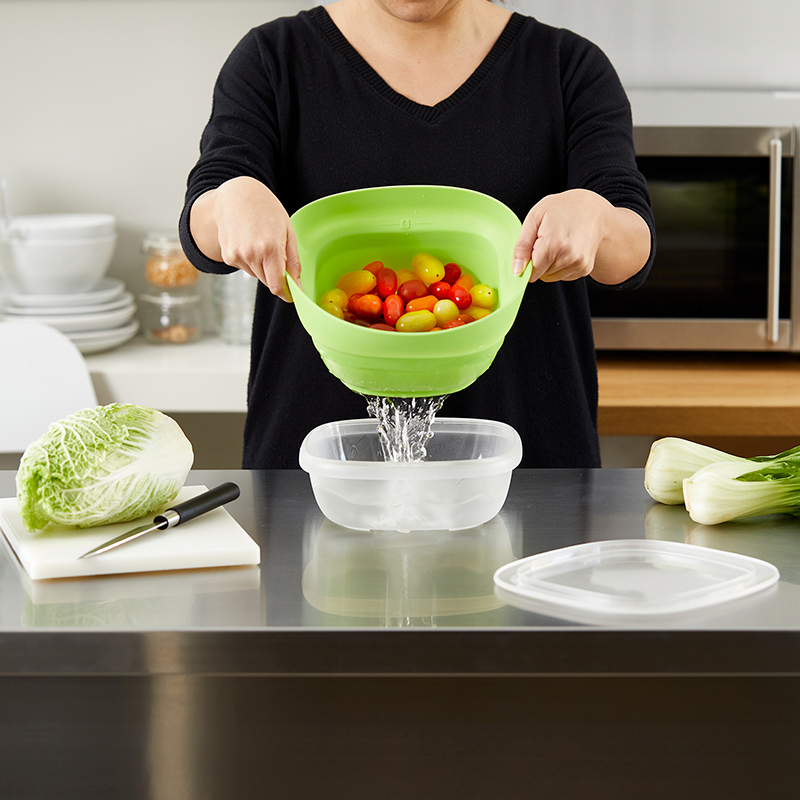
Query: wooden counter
[[696, 396]]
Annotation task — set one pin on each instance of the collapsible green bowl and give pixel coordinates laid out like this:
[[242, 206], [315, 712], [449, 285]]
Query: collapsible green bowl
[[344, 232]]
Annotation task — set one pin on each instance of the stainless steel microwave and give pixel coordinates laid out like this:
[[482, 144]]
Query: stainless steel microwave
[[724, 176]]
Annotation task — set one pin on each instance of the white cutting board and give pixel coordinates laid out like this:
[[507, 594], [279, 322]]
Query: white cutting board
[[214, 539]]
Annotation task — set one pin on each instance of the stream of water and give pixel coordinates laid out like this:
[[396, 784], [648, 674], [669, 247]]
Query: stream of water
[[404, 424]]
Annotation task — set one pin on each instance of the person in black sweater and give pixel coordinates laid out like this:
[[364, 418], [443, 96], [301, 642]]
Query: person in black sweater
[[453, 92]]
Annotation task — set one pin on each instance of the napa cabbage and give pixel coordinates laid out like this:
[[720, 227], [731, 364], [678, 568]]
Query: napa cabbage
[[101, 465]]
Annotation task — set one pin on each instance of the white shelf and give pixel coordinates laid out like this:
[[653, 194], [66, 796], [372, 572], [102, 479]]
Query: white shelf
[[204, 376]]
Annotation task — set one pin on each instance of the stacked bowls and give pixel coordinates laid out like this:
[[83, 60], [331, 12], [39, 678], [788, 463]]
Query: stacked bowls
[[53, 269]]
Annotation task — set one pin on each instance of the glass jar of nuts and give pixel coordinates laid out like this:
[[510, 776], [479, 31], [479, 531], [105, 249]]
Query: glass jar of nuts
[[171, 308]]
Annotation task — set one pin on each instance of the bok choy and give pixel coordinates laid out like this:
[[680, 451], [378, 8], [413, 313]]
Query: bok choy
[[101, 465]]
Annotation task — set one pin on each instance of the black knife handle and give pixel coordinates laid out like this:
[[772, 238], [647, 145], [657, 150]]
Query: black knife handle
[[207, 501]]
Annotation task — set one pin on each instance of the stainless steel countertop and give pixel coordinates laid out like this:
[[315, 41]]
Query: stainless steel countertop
[[327, 600]]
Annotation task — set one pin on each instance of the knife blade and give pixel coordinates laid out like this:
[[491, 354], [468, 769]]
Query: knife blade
[[183, 512]]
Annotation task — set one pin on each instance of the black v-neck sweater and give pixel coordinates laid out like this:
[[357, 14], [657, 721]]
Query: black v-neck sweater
[[298, 108]]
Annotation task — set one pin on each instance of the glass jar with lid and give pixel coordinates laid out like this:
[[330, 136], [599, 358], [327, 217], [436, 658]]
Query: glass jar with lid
[[171, 309]]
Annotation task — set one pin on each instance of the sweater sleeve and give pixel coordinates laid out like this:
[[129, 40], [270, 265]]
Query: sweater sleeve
[[600, 150], [240, 138]]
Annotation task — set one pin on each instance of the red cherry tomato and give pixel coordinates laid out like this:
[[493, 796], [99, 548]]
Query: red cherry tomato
[[351, 302], [453, 323], [452, 272], [369, 307], [387, 282], [411, 290], [374, 267], [465, 318], [440, 290], [393, 309], [461, 297]]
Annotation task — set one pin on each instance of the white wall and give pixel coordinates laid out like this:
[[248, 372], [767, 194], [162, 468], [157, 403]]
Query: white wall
[[102, 101]]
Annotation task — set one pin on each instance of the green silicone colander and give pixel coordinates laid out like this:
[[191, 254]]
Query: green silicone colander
[[344, 232]]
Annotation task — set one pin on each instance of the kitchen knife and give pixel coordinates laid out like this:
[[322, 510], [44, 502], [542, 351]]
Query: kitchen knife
[[183, 512]]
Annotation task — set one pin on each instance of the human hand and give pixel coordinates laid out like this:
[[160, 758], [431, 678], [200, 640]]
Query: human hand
[[244, 225], [561, 236]]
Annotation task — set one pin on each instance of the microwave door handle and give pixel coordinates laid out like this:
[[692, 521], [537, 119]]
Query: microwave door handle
[[774, 254]]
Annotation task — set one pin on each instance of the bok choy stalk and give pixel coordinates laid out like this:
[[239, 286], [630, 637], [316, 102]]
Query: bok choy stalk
[[726, 491], [672, 460], [101, 465]]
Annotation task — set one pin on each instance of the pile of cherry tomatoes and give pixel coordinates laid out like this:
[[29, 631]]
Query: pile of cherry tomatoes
[[431, 296]]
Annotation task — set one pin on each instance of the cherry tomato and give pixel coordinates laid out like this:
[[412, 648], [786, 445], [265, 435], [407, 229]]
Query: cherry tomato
[[351, 302], [427, 303], [465, 318], [393, 309], [453, 323], [461, 297], [387, 282], [478, 312], [416, 322], [444, 311], [404, 275], [382, 326], [359, 282], [440, 289], [369, 307], [467, 281], [332, 308], [483, 295], [452, 272], [374, 267], [362, 322], [427, 268], [336, 296], [411, 290]]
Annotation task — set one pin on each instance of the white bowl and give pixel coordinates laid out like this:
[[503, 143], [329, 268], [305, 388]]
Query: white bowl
[[55, 266], [64, 226], [462, 482]]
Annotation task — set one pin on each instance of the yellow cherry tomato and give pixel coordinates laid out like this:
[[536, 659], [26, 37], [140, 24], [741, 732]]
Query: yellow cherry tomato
[[336, 296], [483, 295], [478, 312], [332, 308], [404, 275], [444, 311], [359, 282], [427, 268], [416, 322]]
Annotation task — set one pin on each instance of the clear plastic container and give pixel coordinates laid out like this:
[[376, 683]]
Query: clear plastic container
[[170, 319], [461, 483], [233, 299]]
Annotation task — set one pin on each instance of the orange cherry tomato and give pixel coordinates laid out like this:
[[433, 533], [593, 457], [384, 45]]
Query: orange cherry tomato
[[387, 282], [452, 272], [393, 309], [453, 323], [427, 303], [411, 290], [467, 281], [368, 307], [460, 296], [374, 267], [359, 282], [416, 322], [465, 318]]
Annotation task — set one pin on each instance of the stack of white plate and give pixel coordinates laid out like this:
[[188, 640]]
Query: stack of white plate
[[95, 320]]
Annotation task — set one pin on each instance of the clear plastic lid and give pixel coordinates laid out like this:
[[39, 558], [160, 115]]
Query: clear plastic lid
[[634, 578]]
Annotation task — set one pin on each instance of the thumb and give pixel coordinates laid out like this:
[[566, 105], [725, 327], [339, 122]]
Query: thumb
[[292, 256], [523, 250]]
